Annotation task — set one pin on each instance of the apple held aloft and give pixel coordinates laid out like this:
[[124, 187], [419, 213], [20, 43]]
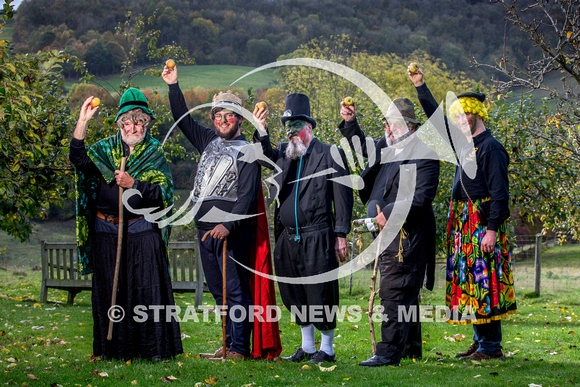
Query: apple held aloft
[[349, 101], [413, 67], [170, 63], [95, 102], [261, 105]]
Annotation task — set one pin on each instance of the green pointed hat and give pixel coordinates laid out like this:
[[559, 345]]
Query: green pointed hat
[[133, 99]]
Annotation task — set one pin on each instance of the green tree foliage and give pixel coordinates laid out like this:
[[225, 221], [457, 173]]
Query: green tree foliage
[[36, 123], [547, 132], [34, 129]]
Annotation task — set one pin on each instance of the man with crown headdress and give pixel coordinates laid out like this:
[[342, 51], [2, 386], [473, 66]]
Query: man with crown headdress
[[480, 281], [227, 182], [144, 276]]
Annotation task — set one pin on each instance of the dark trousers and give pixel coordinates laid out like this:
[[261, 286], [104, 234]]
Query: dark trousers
[[238, 292], [488, 336], [313, 255], [400, 285]]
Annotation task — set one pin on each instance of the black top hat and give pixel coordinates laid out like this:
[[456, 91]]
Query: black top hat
[[297, 108]]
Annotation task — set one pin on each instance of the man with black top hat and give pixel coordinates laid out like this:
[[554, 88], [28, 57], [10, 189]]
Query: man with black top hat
[[231, 185], [409, 259], [98, 176], [311, 224], [480, 280]]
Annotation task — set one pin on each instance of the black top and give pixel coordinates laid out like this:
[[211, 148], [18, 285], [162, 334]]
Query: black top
[[108, 195], [289, 208], [491, 179], [200, 137]]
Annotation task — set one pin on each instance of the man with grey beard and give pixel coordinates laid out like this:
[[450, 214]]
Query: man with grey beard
[[404, 263], [98, 178], [313, 215]]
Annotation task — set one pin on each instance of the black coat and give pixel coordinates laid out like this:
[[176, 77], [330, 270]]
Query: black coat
[[419, 246], [318, 196]]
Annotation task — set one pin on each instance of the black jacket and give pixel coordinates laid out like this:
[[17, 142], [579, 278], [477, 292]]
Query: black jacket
[[319, 197], [491, 179], [419, 246]]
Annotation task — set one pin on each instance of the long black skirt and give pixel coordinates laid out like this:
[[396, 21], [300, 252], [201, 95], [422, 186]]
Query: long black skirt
[[144, 294]]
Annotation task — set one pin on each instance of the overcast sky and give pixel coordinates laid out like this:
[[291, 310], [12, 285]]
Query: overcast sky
[[16, 3]]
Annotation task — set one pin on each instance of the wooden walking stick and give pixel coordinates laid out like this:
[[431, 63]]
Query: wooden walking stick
[[119, 251], [373, 291], [224, 292]]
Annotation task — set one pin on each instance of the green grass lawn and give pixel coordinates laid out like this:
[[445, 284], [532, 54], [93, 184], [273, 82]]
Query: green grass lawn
[[216, 76], [52, 341]]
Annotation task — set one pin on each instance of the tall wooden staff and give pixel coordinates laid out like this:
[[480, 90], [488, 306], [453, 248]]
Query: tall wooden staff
[[119, 251], [373, 291]]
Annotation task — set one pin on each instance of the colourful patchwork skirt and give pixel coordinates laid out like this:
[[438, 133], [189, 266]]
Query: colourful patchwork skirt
[[479, 286]]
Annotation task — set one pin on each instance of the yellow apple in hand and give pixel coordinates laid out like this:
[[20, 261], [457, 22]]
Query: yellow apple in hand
[[261, 105], [349, 101], [170, 63], [413, 67], [95, 102]]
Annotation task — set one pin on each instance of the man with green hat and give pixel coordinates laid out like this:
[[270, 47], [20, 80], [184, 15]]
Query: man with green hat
[[407, 263], [144, 276]]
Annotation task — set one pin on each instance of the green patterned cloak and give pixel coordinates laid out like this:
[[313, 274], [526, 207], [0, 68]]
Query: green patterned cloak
[[147, 162]]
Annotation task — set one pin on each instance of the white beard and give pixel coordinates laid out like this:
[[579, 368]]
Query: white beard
[[134, 141], [295, 149], [399, 142]]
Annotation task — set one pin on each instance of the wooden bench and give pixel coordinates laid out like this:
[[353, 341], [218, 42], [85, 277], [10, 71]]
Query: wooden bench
[[60, 270]]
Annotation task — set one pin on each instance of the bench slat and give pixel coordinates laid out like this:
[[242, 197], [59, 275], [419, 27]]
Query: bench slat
[[67, 272]]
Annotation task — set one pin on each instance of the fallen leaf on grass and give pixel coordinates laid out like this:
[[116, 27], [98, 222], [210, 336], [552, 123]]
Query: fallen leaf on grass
[[510, 354], [353, 327], [327, 369], [305, 367], [534, 385], [249, 384], [12, 360], [571, 333], [212, 381], [31, 376], [133, 382], [477, 376], [128, 362], [103, 375], [37, 328], [169, 379]]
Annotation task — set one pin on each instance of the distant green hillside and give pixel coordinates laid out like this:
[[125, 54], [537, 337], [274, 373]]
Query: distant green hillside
[[256, 32], [217, 76], [8, 30]]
